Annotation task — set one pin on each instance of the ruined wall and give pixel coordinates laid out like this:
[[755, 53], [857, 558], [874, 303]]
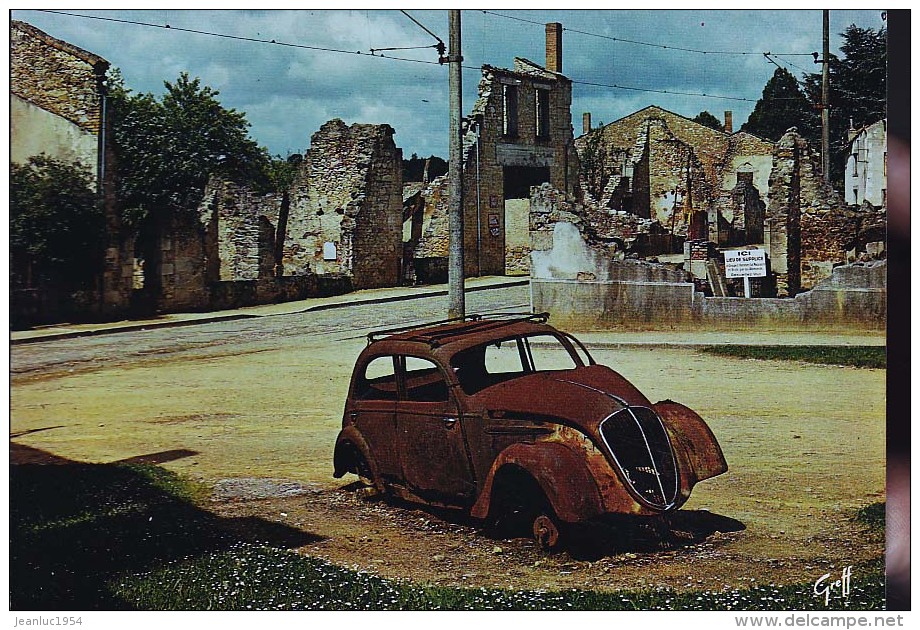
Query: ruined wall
[[808, 229], [346, 206], [659, 165], [853, 297], [241, 229], [494, 159]]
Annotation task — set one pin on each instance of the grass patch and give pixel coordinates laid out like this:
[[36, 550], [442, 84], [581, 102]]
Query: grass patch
[[856, 356], [250, 577], [873, 516], [116, 537]]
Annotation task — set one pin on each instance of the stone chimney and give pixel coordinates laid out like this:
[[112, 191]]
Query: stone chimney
[[554, 47], [728, 121], [586, 122]]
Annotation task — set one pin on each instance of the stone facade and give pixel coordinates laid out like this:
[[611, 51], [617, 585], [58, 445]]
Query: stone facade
[[518, 135], [866, 175], [663, 166], [241, 231], [808, 229], [58, 107], [346, 212]]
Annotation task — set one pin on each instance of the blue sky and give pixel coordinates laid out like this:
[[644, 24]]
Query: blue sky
[[287, 92]]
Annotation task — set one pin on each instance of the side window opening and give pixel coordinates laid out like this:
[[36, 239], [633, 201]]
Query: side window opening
[[424, 381], [378, 381], [483, 366]]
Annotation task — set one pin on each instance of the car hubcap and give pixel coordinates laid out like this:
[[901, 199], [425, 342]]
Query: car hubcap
[[545, 532]]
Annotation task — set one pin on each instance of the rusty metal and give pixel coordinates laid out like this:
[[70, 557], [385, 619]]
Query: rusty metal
[[439, 444]]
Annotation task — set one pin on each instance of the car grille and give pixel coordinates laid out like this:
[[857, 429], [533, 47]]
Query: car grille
[[639, 443]]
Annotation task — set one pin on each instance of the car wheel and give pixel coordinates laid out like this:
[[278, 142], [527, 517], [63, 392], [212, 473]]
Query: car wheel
[[547, 531]]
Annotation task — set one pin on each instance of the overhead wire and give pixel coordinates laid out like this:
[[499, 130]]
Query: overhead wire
[[375, 51], [638, 42]]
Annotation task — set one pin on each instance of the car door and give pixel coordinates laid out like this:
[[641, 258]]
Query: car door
[[373, 412], [428, 423]]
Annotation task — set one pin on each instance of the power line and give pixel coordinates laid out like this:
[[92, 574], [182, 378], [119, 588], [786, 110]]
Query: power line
[[637, 89], [245, 39], [374, 52], [641, 43]]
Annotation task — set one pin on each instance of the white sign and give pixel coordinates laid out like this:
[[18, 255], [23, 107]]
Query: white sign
[[746, 263], [329, 252]]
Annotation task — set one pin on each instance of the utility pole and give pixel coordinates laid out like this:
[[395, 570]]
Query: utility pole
[[825, 106], [455, 271]]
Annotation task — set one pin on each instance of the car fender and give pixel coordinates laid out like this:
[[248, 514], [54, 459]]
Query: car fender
[[695, 446], [351, 436], [561, 474]]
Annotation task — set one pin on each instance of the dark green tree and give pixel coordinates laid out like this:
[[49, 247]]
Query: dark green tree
[[414, 168], [858, 88], [782, 105], [57, 225], [167, 149], [706, 119]]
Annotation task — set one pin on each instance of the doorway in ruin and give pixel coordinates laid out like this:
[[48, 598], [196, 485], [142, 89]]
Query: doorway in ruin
[[752, 206], [517, 183]]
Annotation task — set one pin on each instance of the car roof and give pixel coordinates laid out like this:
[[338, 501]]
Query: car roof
[[453, 335]]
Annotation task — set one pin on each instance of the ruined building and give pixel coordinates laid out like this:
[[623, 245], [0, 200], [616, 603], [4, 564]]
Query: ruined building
[[808, 228], [341, 219], [519, 134], [697, 182], [58, 108]]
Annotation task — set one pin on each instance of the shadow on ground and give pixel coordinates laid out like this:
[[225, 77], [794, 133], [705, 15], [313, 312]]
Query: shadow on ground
[[611, 535], [74, 527]]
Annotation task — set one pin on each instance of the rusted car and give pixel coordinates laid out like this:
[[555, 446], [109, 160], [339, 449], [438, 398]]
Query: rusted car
[[511, 419]]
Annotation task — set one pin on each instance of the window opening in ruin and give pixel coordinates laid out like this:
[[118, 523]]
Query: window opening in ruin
[[519, 179], [746, 178], [541, 99], [510, 106]]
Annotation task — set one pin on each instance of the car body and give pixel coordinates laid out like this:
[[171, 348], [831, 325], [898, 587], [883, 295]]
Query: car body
[[509, 415]]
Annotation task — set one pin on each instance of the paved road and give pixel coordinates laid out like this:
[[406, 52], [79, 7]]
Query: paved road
[[244, 335]]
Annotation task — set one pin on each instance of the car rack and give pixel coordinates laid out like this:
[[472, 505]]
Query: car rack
[[497, 319]]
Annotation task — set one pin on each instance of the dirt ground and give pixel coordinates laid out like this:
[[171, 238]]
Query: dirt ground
[[805, 446]]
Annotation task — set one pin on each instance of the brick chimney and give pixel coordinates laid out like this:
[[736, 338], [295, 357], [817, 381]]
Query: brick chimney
[[554, 47], [586, 122], [728, 121]]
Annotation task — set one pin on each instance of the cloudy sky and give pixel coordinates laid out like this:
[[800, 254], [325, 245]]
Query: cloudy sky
[[288, 91]]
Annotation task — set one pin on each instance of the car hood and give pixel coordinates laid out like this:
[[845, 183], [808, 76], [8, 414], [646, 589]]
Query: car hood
[[583, 396]]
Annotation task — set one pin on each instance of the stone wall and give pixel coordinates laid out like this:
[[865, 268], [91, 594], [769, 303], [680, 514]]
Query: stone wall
[[660, 165], [808, 228], [346, 206], [241, 227], [853, 297], [56, 76]]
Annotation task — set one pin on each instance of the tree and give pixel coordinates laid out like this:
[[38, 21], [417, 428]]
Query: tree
[[414, 168], [858, 88], [782, 105], [167, 149], [708, 120], [57, 225]]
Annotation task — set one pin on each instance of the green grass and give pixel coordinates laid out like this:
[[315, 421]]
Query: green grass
[[251, 577], [856, 356], [86, 537], [873, 516]]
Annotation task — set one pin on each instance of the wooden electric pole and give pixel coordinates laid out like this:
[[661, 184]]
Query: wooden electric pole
[[825, 106], [455, 271]]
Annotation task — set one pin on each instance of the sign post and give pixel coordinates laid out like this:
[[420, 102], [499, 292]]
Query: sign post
[[747, 264]]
